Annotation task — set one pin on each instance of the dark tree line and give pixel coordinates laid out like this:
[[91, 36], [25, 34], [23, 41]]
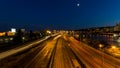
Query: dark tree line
[[21, 37]]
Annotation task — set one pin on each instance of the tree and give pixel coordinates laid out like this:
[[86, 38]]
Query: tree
[[18, 37], [6, 34], [31, 35]]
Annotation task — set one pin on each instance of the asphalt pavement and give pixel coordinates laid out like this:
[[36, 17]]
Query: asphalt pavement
[[61, 51]]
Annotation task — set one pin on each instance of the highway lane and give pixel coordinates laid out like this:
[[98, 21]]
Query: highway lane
[[22, 59], [52, 53], [21, 48], [56, 54], [41, 60], [64, 57], [61, 52], [91, 57]]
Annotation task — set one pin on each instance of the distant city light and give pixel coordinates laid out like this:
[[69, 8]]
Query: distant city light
[[11, 38], [23, 38], [48, 31], [115, 35], [23, 30], [13, 30]]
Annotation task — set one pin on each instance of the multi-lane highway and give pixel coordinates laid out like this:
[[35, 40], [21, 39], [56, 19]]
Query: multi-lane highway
[[93, 58], [61, 51]]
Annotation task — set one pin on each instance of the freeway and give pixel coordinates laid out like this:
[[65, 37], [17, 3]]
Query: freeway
[[21, 48], [91, 57], [64, 57], [52, 53], [23, 58], [56, 54], [61, 51]]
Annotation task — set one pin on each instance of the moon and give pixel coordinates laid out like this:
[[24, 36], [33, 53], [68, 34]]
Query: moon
[[78, 4]]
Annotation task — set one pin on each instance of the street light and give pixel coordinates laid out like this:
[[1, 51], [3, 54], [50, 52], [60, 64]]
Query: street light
[[48, 31], [100, 45], [113, 47]]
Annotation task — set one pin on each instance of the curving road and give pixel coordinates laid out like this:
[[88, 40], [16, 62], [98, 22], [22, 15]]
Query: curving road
[[61, 51], [91, 57]]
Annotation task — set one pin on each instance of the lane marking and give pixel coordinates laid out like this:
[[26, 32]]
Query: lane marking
[[57, 37]]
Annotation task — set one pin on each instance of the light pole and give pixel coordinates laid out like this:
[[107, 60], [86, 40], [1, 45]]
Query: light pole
[[100, 45]]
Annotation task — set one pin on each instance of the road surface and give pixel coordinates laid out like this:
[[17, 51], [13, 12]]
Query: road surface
[[91, 57], [61, 51]]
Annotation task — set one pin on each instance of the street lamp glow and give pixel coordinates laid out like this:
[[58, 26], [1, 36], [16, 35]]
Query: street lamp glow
[[100, 45], [11, 38], [48, 31], [115, 35], [23, 38], [113, 47]]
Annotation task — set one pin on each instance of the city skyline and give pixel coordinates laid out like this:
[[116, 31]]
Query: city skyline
[[61, 14]]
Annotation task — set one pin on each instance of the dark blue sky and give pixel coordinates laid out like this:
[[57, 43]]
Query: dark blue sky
[[58, 14]]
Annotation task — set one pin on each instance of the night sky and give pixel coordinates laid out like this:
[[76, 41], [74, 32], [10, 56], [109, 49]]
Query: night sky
[[58, 14]]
